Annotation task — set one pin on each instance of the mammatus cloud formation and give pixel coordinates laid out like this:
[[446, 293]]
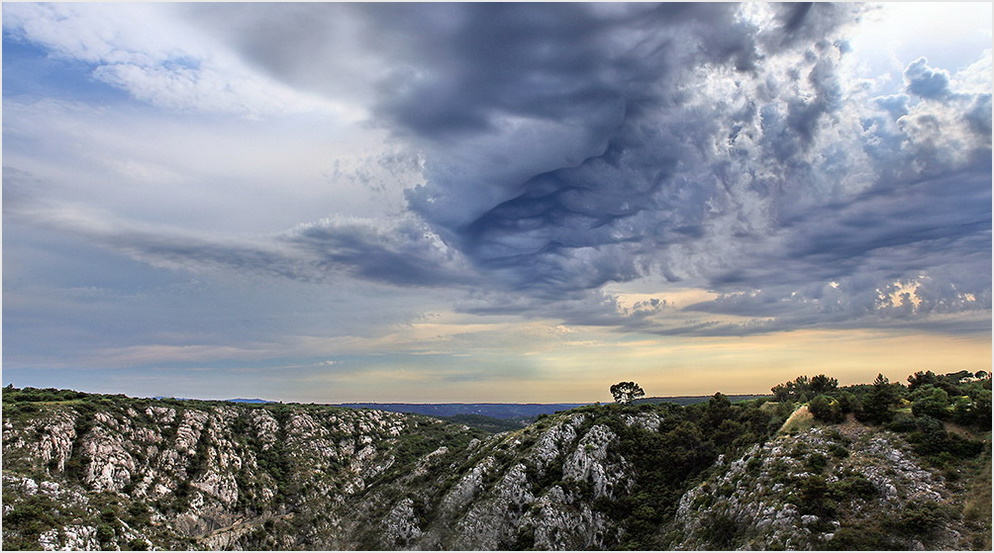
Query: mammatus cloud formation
[[570, 146]]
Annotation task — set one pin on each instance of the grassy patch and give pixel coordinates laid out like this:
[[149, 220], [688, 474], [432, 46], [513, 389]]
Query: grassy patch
[[799, 421]]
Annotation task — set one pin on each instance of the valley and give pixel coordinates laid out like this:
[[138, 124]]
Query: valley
[[877, 466]]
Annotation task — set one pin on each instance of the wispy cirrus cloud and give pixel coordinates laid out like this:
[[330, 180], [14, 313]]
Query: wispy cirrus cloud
[[158, 58]]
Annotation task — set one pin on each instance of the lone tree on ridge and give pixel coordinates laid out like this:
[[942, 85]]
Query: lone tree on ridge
[[625, 392]]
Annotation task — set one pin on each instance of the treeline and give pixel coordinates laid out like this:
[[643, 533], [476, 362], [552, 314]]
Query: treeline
[[35, 395], [921, 409]]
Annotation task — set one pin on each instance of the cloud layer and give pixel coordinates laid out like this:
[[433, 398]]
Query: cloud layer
[[565, 147]]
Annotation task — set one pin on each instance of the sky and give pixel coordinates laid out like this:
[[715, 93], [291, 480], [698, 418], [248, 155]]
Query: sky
[[513, 202]]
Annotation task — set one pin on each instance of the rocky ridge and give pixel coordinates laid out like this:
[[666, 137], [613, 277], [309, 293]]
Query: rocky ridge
[[145, 474], [795, 492]]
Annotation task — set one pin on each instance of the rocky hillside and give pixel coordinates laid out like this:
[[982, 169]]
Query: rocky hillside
[[109, 472]]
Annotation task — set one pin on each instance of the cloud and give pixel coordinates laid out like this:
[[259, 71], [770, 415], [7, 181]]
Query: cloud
[[566, 147], [405, 253], [767, 184], [158, 58], [401, 253], [926, 82]]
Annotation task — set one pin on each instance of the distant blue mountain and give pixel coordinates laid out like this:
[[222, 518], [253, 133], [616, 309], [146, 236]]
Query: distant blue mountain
[[494, 410], [236, 400], [242, 400]]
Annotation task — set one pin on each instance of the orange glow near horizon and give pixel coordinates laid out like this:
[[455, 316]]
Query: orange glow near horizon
[[665, 366]]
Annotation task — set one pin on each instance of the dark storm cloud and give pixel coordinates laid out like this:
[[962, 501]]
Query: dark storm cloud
[[794, 13], [404, 255], [570, 145], [936, 215], [568, 104], [547, 61], [849, 264], [588, 149], [978, 115]]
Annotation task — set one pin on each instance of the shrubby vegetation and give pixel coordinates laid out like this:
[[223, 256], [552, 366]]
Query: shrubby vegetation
[[487, 424], [944, 417], [947, 420], [669, 461], [919, 410]]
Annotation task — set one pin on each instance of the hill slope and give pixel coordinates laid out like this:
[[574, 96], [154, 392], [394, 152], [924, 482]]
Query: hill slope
[[90, 472]]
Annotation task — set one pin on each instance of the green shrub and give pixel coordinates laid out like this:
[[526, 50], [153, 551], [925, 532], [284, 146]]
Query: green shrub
[[838, 451], [139, 513], [922, 518], [931, 401], [902, 422], [826, 409], [525, 539], [105, 533], [878, 405], [722, 531], [851, 487], [816, 462], [813, 497], [931, 440]]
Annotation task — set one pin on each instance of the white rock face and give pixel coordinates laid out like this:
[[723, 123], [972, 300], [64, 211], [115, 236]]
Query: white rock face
[[218, 484], [500, 505], [110, 465], [55, 445], [752, 493], [468, 485], [561, 525], [265, 427], [188, 432], [401, 524], [300, 477], [227, 461], [555, 440], [162, 415], [588, 463], [70, 538]]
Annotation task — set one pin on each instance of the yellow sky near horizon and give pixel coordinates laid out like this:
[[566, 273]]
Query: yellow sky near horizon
[[663, 365]]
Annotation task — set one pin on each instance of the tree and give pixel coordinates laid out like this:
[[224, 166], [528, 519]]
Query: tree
[[625, 392], [822, 384], [718, 409], [921, 379], [932, 401], [797, 390], [803, 388], [878, 408]]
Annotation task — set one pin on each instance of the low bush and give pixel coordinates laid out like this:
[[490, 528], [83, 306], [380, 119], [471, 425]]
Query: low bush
[[922, 518], [853, 486], [826, 409], [816, 462]]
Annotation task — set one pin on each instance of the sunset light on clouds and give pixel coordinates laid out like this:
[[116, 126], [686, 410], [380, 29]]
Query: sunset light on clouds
[[492, 202]]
